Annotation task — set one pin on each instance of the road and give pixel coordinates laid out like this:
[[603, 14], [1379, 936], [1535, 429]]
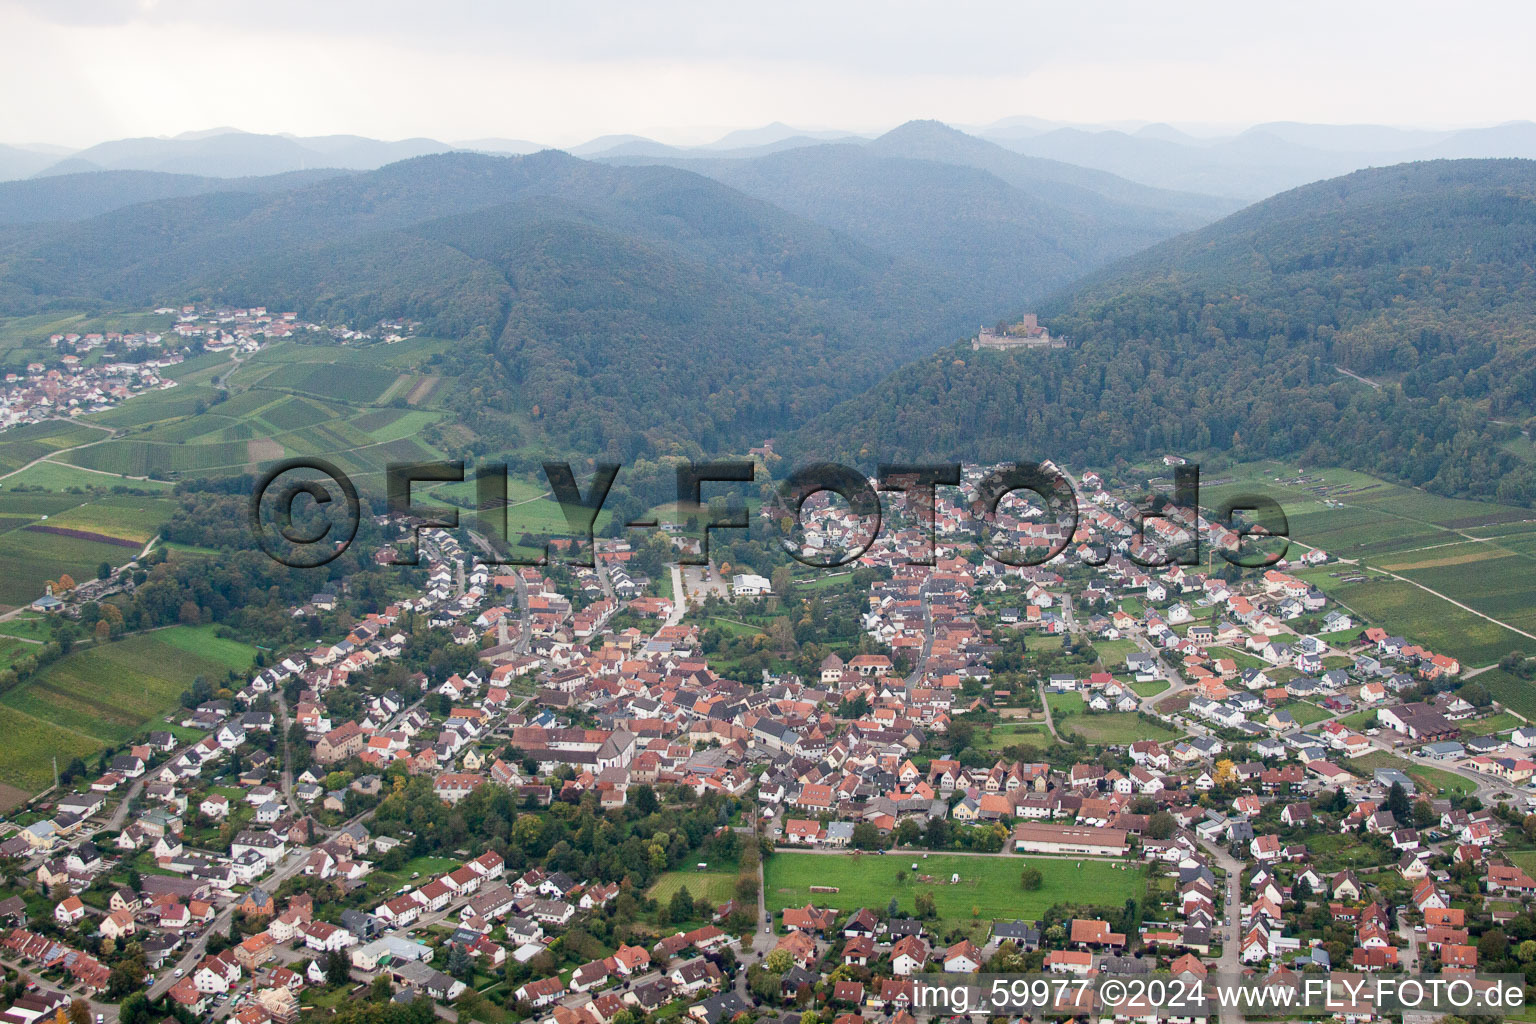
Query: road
[[284, 724], [1356, 376], [1229, 965], [679, 598], [1046, 704], [44, 458], [916, 675]]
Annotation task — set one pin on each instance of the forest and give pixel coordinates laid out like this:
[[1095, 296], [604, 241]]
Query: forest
[[1418, 280]]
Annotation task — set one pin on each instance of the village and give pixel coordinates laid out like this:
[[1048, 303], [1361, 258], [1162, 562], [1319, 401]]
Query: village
[[510, 795], [97, 370]]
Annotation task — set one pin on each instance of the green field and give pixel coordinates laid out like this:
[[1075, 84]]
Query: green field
[[1013, 733], [1478, 553], [715, 886], [43, 536], [988, 885], [1519, 695], [24, 444], [1121, 728], [106, 694], [26, 762], [1409, 611], [1305, 712], [1431, 780]]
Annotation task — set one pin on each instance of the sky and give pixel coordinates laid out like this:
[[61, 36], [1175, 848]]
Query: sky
[[563, 72]]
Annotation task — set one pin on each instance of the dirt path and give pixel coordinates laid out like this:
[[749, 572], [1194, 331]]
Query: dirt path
[[72, 448]]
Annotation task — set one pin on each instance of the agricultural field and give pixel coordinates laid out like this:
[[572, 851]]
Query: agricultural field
[[1410, 611], [106, 694], [1477, 553], [26, 762], [987, 886], [1516, 694], [44, 535], [198, 431], [22, 445]]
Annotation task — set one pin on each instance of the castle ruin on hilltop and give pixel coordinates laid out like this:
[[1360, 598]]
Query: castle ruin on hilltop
[[1027, 333]]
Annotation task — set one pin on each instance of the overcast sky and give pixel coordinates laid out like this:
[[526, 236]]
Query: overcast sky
[[563, 71]]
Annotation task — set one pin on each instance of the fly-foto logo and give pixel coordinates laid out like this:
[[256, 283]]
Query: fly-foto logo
[[305, 512]]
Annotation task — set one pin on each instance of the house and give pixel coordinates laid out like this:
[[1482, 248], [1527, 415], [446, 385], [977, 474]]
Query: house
[[962, 958], [69, 912]]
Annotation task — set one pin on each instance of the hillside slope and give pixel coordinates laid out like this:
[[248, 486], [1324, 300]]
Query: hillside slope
[[621, 309], [1420, 278]]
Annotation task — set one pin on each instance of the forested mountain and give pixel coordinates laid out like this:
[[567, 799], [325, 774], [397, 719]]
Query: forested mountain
[[1420, 278], [603, 308], [614, 309], [994, 227]]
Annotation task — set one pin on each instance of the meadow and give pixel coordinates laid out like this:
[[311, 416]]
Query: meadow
[[714, 886], [1120, 728], [988, 885]]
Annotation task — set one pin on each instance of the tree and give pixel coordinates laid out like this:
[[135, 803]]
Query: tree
[[1226, 773], [866, 836], [927, 907], [134, 1009], [79, 1012], [66, 582], [1160, 825], [782, 579], [681, 906], [459, 963], [103, 631], [1030, 879], [104, 570], [779, 961], [381, 990], [337, 969], [1423, 814], [1397, 802]]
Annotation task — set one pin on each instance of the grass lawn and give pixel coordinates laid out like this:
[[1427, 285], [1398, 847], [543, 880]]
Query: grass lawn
[[1112, 653], [1007, 734], [1117, 728], [1502, 721], [1304, 711], [714, 886], [1360, 719], [1064, 704], [1150, 689], [1429, 779], [989, 886]]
